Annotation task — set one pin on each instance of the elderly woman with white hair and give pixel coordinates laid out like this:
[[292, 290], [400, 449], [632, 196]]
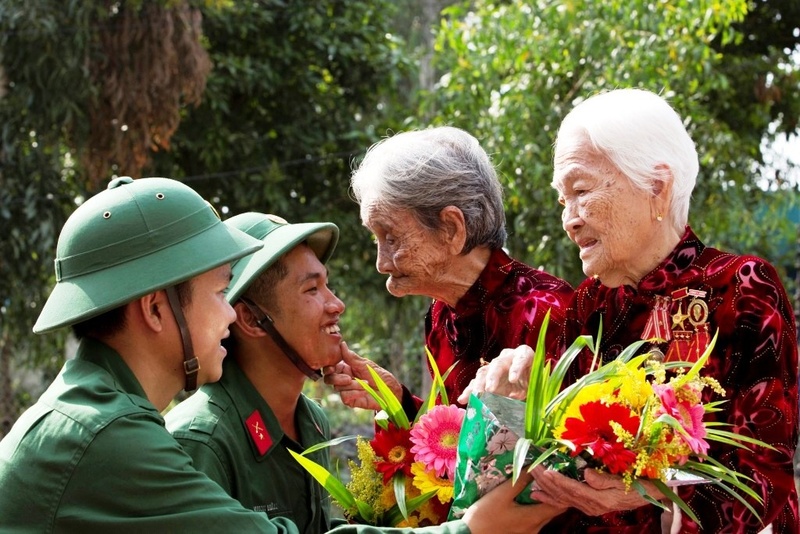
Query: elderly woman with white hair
[[434, 203], [624, 168]]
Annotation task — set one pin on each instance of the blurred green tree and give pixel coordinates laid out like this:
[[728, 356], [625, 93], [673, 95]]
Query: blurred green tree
[[298, 91], [96, 89], [510, 71], [268, 106], [74, 108]]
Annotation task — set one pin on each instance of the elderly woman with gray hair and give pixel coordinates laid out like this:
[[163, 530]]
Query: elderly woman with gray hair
[[434, 203], [624, 168]]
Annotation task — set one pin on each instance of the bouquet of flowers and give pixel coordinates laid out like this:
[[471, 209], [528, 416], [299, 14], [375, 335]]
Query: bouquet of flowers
[[404, 476], [625, 417]]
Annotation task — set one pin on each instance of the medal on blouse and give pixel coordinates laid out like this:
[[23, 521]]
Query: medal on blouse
[[657, 328], [688, 345]]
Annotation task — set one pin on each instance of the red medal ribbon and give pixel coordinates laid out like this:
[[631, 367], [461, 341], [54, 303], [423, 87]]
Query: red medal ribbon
[[680, 293], [658, 324]]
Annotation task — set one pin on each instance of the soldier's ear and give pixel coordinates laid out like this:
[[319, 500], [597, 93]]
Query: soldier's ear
[[152, 310], [246, 322]]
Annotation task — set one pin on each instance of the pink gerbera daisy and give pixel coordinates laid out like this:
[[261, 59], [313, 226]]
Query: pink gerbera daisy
[[435, 438], [690, 417]]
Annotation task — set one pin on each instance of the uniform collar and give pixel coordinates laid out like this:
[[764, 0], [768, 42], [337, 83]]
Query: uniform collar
[[261, 426], [98, 353]]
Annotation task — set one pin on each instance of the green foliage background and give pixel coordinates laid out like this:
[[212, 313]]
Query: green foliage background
[[514, 69], [300, 89]]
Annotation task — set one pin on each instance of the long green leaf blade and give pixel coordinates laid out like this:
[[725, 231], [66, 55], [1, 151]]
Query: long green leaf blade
[[329, 443], [333, 485], [394, 516], [672, 496]]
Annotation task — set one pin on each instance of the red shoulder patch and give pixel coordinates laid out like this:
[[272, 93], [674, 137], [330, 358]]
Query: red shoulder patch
[[258, 432]]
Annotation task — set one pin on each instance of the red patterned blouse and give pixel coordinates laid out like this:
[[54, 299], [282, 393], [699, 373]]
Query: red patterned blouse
[[503, 309], [754, 359]]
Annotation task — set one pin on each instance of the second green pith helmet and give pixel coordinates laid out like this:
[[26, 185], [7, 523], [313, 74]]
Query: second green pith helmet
[[279, 237], [136, 237]]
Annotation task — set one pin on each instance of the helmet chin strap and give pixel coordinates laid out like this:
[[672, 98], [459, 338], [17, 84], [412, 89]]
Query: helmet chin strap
[[191, 365], [264, 322]]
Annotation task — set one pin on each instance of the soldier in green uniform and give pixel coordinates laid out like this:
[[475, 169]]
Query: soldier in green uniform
[[239, 430], [142, 270]]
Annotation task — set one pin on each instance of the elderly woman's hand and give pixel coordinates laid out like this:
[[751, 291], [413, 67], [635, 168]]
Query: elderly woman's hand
[[353, 366], [506, 375], [599, 494]]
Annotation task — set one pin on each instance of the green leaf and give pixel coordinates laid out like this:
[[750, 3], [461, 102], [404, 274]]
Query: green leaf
[[520, 454], [386, 400], [564, 363], [399, 486], [337, 490], [630, 351], [365, 513], [718, 474], [548, 453], [671, 495], [438, 389], [537, 385], [596, 348], [699, 364], [711, 407], [329, 443], [734, 439], [393, 516]]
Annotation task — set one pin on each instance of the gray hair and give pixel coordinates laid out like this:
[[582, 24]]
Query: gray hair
[[639, 132], [425, 171]]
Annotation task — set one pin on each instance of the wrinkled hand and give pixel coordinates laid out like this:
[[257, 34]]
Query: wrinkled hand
[[497, 512], [506, 375], [600, 494], [341, 377]]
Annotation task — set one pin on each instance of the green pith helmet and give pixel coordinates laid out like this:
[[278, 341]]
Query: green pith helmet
[[134, 238], [279, 237]]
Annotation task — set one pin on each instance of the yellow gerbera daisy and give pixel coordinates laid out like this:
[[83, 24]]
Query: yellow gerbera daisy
[[427, 481]]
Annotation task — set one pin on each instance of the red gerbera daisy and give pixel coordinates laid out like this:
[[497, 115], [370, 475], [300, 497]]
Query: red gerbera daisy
[[595, 434], [393, 446]]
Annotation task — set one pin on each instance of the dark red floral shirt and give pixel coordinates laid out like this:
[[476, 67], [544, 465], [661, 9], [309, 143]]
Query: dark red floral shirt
[[503, 309], [754, 359]]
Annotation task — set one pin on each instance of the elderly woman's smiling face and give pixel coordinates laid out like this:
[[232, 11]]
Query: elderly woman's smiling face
[[612, 221], [415, 257]]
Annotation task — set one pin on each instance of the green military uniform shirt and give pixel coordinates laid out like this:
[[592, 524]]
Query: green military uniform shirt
[[92, 455], [234, 437]]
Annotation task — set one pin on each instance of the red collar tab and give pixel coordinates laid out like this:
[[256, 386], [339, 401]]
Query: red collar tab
[[258, 432]]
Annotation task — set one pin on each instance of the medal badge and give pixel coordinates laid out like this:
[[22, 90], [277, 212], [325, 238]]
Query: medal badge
[[688, 335]]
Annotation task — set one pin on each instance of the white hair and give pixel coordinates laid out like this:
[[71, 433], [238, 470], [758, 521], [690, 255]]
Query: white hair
[[424, 171], [640, 133]]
